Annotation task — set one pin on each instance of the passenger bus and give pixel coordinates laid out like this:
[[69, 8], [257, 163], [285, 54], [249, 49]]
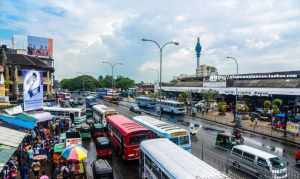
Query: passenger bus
[[90, 101], [172, 106], [178, 135], [146, 102], [76, 115], [161, 158], [126, 136], [112, 99], [100, 113]]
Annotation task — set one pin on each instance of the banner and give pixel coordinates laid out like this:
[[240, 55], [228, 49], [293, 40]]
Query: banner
[[33, 90], [39, 46], [293, 128]]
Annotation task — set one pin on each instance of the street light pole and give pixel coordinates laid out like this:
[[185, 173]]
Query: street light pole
[[161, 47], [113, 65], [236, 91]]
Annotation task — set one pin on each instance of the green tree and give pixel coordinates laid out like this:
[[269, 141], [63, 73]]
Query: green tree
[[209, 95], [105, 82], [124, 82], [222, 107], [83, 82], [277, 102], [267, 104]]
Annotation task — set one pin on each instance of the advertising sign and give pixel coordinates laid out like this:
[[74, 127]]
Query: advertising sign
[[39, 46], [293, 128], [33, 90]]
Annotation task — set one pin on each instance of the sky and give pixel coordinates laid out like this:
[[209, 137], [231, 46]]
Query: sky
[[263, 35]]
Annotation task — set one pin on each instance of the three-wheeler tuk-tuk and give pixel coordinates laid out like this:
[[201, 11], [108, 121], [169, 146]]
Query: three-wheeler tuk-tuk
[[98, 130], [226, 141], [103, 147], [102, 169], [297, 158], [85, 131]]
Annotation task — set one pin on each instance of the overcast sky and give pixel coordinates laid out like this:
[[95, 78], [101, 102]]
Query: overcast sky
[[264, 35]]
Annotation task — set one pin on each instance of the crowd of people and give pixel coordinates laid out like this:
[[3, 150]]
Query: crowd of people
[[35, 157]]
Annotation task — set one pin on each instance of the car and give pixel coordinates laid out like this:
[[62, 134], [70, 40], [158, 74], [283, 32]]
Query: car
[[135, 108], [194, 128]]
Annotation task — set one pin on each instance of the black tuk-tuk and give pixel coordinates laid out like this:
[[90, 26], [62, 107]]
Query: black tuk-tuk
[[227, 141], [102, 169]]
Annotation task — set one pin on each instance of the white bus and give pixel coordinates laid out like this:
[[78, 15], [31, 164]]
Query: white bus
[[100, 112], [76, 114], [258, 163], [172, 106], [144, 101], [162, 159], [163, 129]]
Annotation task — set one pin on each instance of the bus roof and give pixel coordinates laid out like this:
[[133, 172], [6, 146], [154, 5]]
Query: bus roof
[[144, 97], [177, 162], [172, 101], [102, 108], [159, 127], [125, 125], [255, 151], [62, 109]]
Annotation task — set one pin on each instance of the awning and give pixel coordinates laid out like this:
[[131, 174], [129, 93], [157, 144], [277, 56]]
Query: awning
[[5, 154], [21, 120], [41, 116]]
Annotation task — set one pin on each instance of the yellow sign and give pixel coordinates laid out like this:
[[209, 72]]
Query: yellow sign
[[2, 90], [180, 133]]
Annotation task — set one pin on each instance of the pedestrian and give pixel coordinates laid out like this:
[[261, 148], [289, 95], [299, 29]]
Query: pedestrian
[[44, 176], [255, 123], [65, 172], [36, 167], [24, 171]]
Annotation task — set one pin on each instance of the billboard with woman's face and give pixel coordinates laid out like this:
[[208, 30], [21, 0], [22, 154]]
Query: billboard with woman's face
[[33, 90], [39, 46]]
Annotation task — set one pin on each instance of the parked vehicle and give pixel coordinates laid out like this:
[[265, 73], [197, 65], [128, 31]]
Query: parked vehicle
[[297, 158], [85, 131], [258, 163], [73, 138], [144, 101], [102, 169], [160, 158], [103, 147], [100, 113], [76, 115], [135, 108], [172, 106], [194, 128], [98, 130]]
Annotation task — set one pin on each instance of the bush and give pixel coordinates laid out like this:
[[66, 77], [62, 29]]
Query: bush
[[267, 105], [222, 108], [277, 102]]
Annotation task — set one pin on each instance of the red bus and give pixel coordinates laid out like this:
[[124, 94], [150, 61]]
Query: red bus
[[126, 136]]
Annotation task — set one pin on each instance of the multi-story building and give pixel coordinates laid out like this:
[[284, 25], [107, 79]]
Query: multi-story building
[[14, 63]]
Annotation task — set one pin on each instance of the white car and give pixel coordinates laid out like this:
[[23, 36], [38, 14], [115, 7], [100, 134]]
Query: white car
[[194, 128]]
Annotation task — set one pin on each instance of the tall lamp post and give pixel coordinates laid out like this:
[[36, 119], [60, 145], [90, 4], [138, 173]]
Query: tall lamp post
[[161, 47], [237, 122], [112, 65]]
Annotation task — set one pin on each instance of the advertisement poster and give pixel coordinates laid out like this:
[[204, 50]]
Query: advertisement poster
[[33, 90], [39, 46]]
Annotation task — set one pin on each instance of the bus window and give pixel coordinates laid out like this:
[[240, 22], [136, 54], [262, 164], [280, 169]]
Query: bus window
[[148, 162], [156, 170], [263, 163], [137, 139], [76, 114], [184, 140], [237, 152], [175, 140], [248, 157], [164, 176]]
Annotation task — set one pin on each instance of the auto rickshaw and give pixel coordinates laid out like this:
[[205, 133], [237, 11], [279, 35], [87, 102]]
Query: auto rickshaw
[[98, 130], [226, 141], [102, 169], [297, 158], [85, 132], [103, 147]]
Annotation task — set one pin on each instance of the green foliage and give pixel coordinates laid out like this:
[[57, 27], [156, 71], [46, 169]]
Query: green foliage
[[277, 102], [124, 82], [275, 109], [105, 82], [182, 97], [267, 104], [83, 82], [152, 95], [222, 107], [210, 95], [242, 108]]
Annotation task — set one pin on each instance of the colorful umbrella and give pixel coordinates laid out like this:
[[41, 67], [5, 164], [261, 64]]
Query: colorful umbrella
[[74, 152]]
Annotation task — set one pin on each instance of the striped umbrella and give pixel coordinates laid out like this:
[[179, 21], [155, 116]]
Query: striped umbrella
[[74, 152]]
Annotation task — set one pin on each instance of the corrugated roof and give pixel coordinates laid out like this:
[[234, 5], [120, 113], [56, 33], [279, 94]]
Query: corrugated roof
[[29, 61], [11, 137]]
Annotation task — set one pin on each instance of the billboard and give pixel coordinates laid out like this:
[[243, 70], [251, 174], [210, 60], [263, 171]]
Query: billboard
[[39, 46], [33, 90]]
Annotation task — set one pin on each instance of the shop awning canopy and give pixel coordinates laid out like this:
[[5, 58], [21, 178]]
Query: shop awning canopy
[[41, 116], [21, 120], [5, 154]]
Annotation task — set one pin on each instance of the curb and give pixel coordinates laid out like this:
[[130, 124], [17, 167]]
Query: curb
[[255, 133]]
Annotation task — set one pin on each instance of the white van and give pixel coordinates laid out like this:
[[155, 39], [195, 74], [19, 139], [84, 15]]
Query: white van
[[258, 163]]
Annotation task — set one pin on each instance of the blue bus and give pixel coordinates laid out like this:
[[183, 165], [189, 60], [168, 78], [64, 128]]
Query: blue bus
[[161, 158], [146, 102], [101, 92], [178, 135], [172, 106]]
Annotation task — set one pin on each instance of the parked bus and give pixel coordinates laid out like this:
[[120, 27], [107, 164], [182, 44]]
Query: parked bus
[[258, 163], [76, 115], [146, 102], [178, 135], [100, 113], [126, 136], [161, 158], [63, 96], [90, 101], [172, 106]]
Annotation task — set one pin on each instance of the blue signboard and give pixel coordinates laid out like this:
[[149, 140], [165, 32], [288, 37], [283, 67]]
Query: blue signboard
[[33, 90]]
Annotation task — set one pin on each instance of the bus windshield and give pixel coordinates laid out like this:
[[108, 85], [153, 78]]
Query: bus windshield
[[183, 140], [137, 139], [277, 163]]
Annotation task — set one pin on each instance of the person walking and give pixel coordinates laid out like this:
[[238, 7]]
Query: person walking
[[36, 167], [44, 176]]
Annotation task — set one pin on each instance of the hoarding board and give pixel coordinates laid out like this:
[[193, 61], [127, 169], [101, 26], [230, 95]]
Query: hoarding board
[[39, 46], [33, 90]]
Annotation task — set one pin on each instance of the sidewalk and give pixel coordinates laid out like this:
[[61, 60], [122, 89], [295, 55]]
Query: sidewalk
[[263, 128]]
